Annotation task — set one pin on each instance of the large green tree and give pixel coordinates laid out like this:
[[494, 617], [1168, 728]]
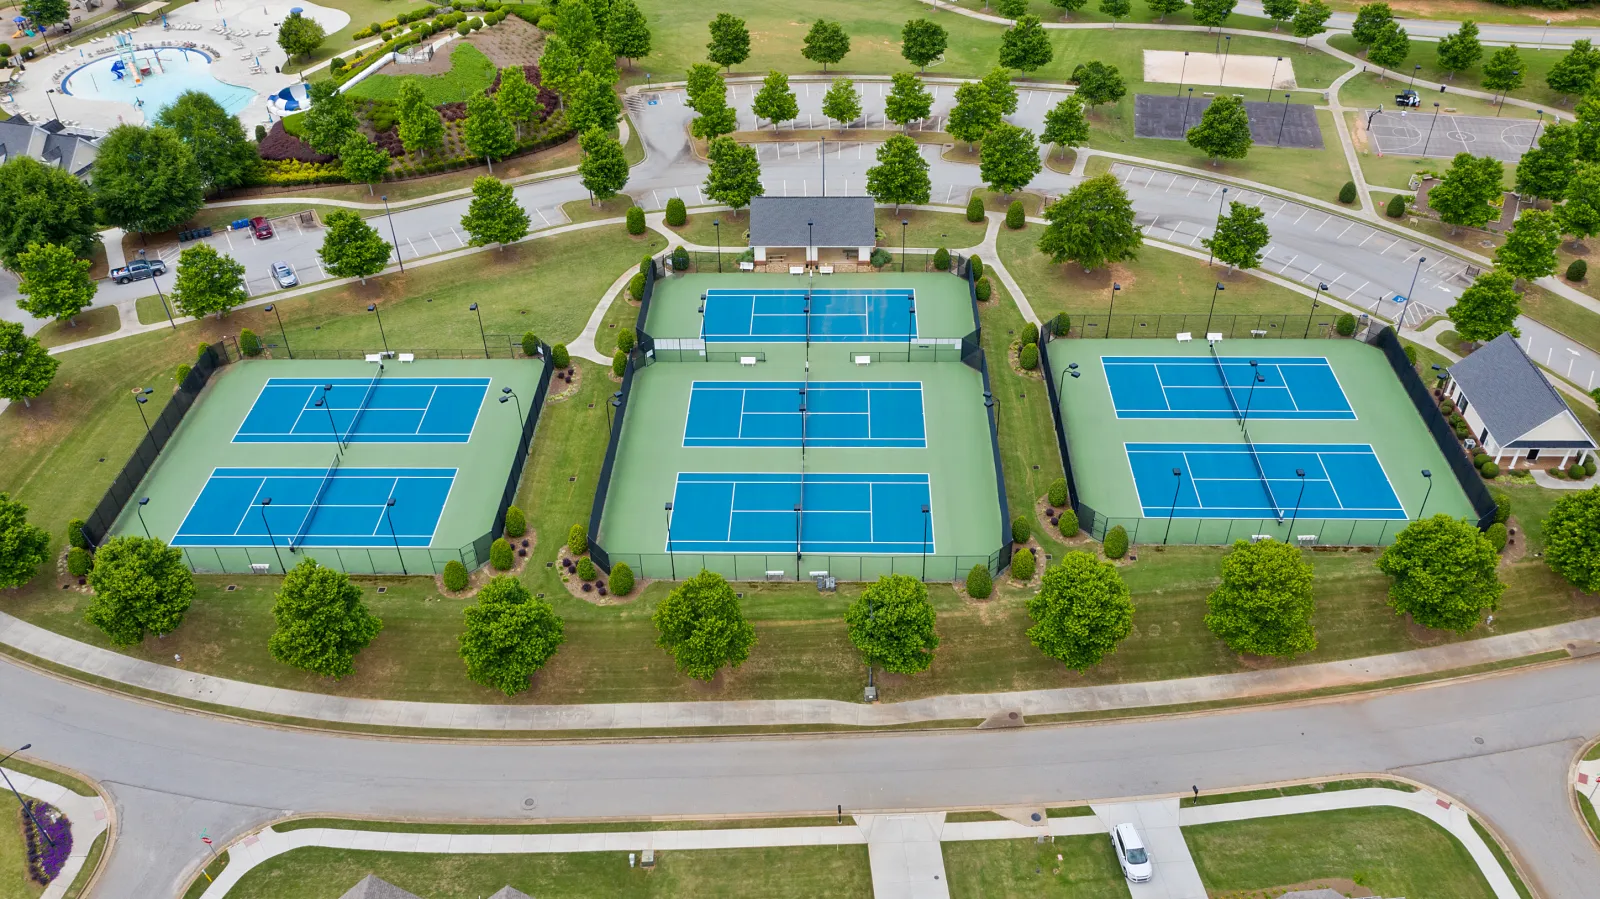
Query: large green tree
[[1002, 93], [1280, 11], [1587, 112], [1263, 605], [1575, 72], [26, 368], [714, 121], [299, 35], [775, 102], [1504, 71], [1082, 611], [1371, 19], [973, 114], [421, 128], [892, 624], [351, 248], [604, 169], [1223, 131], [1529, 252], [1064, 124], [1460, 49], [601, 62], [145, 179], [1163, 8], [322, 622], [1213, 13], [908, 101], [1116, 9], [1026, 46], [363, 162], [487, 131], [1311, 20], [730, 41], [226, 157], [841, 103], [901, 175], [330, 121], [45, 12], [1390, 49], [54, 282], [23, 546], [593, 104], [1240, 237], [43, 204], [1010, 158], [922, 42], [558, 67], [735, 173], [576, 25], [1572, 539], [1465, 195], [1099, 83], [141, 586], [826, 43], [628, 31], [704, 88], [1091, 225], [517, 98], [702, 627], [1487, 308], [208, 282], [1543, 171], [1580, 214], [1444, 573], [509, 635], [493, 216]]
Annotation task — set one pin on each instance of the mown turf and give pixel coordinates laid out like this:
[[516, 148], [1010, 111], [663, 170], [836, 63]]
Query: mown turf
[[1082, 867]]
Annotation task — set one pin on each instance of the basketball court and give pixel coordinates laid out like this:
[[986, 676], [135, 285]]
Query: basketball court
[[1418, 133]]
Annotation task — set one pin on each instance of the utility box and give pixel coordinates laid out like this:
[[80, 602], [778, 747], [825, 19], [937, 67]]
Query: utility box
[[647, 858]]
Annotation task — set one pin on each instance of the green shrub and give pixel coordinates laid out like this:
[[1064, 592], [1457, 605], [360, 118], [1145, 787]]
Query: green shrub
[[586, 569], [1030, 333], [1028, 356], [1502, 506], [975, 214], [463, 29], [530, 344], [1490, 471], [1588, 467], [78, 561], [5, 51], [976, 265], [635, 220], [1021, 530], [1497, 536], [880, 257], [1578, 270], [1016, 216], [1061, 324], [1058, 492], [984, 289], [677, 215], [200, 350], [1479, 458], [619, 363], [75, 535], [621, 579], [1345, 325], [1069, 523], [941, 259], [578, 539], [636, 286], [500, 555], [249, 343], [680, 259], [1347, 194], [516, 522], [645, 265], [1557, 473], [1396, 207], [1575, 471], [1447, 406], [455, 576], [979, 584], [626, 341], [1116, 543], [1460, 428], [1411, 353], [1022, 565], [181, 374], [559, 357]]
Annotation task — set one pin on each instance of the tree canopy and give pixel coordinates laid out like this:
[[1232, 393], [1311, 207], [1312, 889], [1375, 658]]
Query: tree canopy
[[330, 121], [1311, 19], [730, 41], [54, 282], [363, 161], [1213, 13], [704, 88], [628, 31], [1240, 236], [1503, 71], [922, 42], [1544, 170], [421, 128], [1064, 124], [1280, 11], [1264, 604], [23, 546], [901, 175], [1529, 252], [26, 368], [145, 179], [1223, 131], [1082, 611], [1460, 50], [1572, 539], [1487, 308], [735, 173], [487, 131], [141, 586], [1391, 47], [841, 103], [1099, 83], [518, 99], [1465, 195], [351, 248], [299, 35], [701, 625], [826, 43], [1026, 46], [973, 114], [43, 204], [592, 104], [1163, 8], [1574, 73], [208, 282], [1580, 214], [1371, 19], [1091, 225], [225, 156], [1444, 573], [892, 624], [322, 622], [1010, 158], [775, 102], [1002, 93], [907, 101], [604, 169], [509, 636], [494, 215]]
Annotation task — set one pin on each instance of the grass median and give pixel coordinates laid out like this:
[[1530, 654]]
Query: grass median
[[1081, 867]]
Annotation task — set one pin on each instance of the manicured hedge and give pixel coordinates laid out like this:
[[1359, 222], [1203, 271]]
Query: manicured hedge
[[636, 286], [941, 259], [1028, 357], [530, 344], [1497, 536], [619, 363], [976, 264], [1502, 506], [1578, 270], [1396, 207], [578, 539], [979, 584], [677, 215], [1347, 194], [78, 561], [985, 290], [621, 579], [635, 220], [1022, 565], [975, 214], [1069, 523], [626, 341], [1016, 216], [500, 555], [75, 535], [1116, 543], [1058, 492], [516, 522], [559, 356], [1021, 529], [455, 576], [249, 343], [586, 569], [1345, 325]]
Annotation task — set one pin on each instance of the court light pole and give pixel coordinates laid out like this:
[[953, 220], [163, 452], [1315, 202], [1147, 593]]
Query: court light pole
[[1227, 47], [670, 557], [373, 308], [322, 403], [1401, 322], [481, 336], [143, 501], [717, 224], [822, 154], [797, 508], [926, 523], [1256, 377], [506, 393], [1219, 288], [392, 236], [1536, 126], [613, 403], [1186, 101], [1431, 126], [1177, 480], [265, 502], [1301, 474], [809, 224], [1429, 475], [36, 825], [1181, 70], [157, 282], [1274, 82], [1221, 202], [1284, 120], [1111, 308], [903, 224], [395, 537], [273, 308], [139, 401]]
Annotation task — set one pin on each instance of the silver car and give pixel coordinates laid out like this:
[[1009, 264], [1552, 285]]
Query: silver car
[[284, 275], [1131, 854]]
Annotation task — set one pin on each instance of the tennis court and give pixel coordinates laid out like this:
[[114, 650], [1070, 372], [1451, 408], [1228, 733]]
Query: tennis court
[[1289, 388], [295, 507], [1224, 480], [364, 410], [827, 414], [790, 315], [754, 512]]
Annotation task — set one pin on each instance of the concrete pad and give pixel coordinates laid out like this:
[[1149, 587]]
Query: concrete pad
[[1428, 133], [1226, 69], [1157, 821], [907, 860]]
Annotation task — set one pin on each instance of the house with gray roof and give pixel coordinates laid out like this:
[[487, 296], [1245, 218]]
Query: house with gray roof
[[1514, 413], [374, 887], [52, 143], [828, 229]]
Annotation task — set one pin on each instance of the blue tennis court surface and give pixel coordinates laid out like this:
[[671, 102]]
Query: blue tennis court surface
[[349, 513], [836, 316], [842, 513], [1220, 480], [837, 414], [1303, 388], [390, 410]]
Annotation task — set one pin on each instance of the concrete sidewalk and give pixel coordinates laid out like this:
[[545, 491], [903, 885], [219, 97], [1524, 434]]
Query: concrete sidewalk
[[87, 815]]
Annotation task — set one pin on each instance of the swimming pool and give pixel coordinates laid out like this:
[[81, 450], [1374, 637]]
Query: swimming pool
[[173, 70]]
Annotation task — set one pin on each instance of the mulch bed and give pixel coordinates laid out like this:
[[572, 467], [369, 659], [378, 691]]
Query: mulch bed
[[1016, 364], [1516, 543], [1038, 566], [563, 387], [476, 579], [65, 581], [599, 591]]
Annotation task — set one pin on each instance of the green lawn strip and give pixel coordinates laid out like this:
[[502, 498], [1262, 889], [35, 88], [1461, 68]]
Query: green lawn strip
[[1562, 314], [1394, 852], [1305, 790], [633, 151], [1456, 10], [1565, 257], [1500, 856], [362, 13], [471, 73], [91, 862], [315, 873], [1426, 359], [1070, 811], [587, 211], [1079, 867], [564, 827], [950, 230], [150, 310], [1589, 816], [622, 314], [202, 882], [1365, 91], [1536, 65], [1139, 15], [1593, 753], [51, 775], [92, 322], [15, 883], [967, 817], [217, 218], [1530, 503]]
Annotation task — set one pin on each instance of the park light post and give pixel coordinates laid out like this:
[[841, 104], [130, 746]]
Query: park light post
[[506, 393], [1111, 308], [1431, 126], [903, 224], [1227, 47], [265, 502], [273, 308], [387, 507], [143, 501], [1218, 289], [927, 523], [1284, 120], [157, 282], [1301, 474], [36, 825], [1177, 482], [673, 561], [1222, 202], [717, 224], [1420, 509], [140, 398], [822, 154], [373, 308], [1256, 377], [1401, 321], [1274, 82], [1072, 368], [797, 547], [1314, 300], [1186, 101], [481, 336], [392, 236]]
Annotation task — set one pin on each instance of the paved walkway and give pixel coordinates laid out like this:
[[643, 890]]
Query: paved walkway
[[907, 860], [87, 815]]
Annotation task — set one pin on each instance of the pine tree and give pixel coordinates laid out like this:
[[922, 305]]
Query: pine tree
[[908, 101], [1091, 225], [1544, 171], [775, 102], [922, 42], [1025, 45], [826, 43], [493, 216], [1460, 49], [841, 103], [420, 126], [362, 161], [1064, 124], [1223, 131], [1240, 237], [604, 169], [518, 98], [628, 31], [901, 175], [54, 283], [1529, 252], [735, 174], [1487, 308], [1010, 158]]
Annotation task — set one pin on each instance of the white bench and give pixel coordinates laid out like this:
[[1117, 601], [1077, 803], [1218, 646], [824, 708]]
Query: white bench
[[826, 269], [408, 357], [1257, 332], [797, 269], [863, 360], [1213, 336], [777, 575], [1185, 336], [374, 357], [747, 360], [747, 266]]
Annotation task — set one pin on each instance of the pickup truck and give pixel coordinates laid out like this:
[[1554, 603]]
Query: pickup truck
[[138, 271]]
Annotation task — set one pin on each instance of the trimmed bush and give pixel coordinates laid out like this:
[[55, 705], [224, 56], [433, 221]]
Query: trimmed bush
[[1116, 543], [559, 357], [1061, 324], [1028, 356], [1058, 492], [75, 535], [941, 259], [516, 522], [984, 289], [1345, 325], [1502, 506], [975, 214], [200, 350], [1576, 472], [530, 344], [1396, 207], [1347, 194], [1411, 353], [979, 584], [1460, 428], [1022, 565], [645, 265], [455, 576], [636, 286], [1069, 523], [680, 259], [1021, 530], [976, 265], [249, 343], [619, 363], [880, 257], [1497, 536], [1557, 473], [1588, 467], [1456, 419], [578, 539], [586, 569], [181, 373], [625, 340], [677, 215], [501, 556], [1490, 471], [1016, 216], [1447, 406], [621, 579], [1578, 270], [1479, 458], [78, 561], [635, 220], [1030, 333]]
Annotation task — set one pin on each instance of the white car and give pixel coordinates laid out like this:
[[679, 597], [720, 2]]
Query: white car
[[1131, 854]]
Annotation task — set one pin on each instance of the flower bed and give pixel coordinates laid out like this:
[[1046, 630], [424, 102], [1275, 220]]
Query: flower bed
[[47, 851]]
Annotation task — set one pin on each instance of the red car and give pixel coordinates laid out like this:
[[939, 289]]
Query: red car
[[261, 227]]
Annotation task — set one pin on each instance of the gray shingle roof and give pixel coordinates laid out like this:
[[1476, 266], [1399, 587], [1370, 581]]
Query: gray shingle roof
[[507, 892], [373, 887], [837, 221], [1506, 389], [51, 143]]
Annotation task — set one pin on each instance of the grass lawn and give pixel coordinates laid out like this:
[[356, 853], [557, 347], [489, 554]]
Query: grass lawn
[[586, 211], [471, 72], [1561, 314], [1392, 851], [636, 826], [1536, 65], [362, 13], [775, 872], [92, 322], [14, 880], [929, 229], [1589, 816], [1049, 13], [1305, 790], [1087, 868], [1366, 91], [1565, 257]]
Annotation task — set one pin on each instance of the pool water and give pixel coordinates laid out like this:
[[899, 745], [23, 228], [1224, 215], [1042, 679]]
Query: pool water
[[180, 69]]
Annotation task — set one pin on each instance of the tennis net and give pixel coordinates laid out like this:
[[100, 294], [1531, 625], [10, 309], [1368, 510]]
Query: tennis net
[[1226, 387], [311, 512], [365, 402], [1262, 474]]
